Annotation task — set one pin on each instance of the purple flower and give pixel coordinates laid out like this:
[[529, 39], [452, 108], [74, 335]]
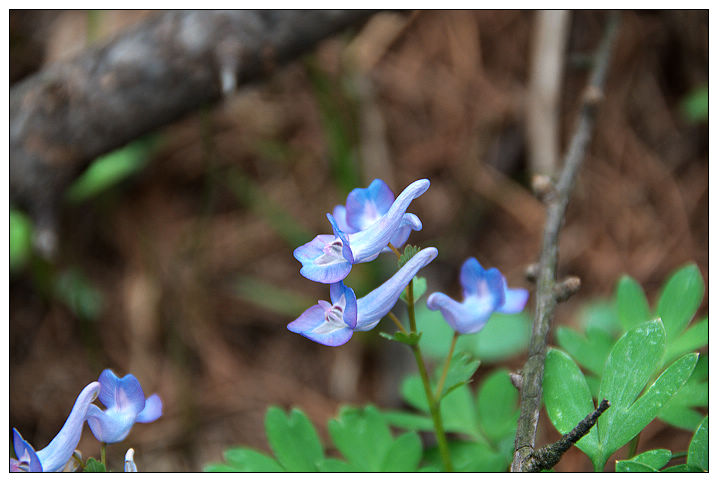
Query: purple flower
[[363, 229], [334, 323], [54, 457], [485, 292], [126, 405]]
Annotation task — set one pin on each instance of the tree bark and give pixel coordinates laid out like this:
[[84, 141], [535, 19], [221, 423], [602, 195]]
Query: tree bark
[[66, 115]]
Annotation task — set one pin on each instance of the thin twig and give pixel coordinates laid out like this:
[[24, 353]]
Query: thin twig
[[531, 389], [548, 456]]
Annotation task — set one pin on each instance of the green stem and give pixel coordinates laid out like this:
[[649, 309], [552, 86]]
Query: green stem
[[398, 324], [103, 454], [440, 386], [433, 405]]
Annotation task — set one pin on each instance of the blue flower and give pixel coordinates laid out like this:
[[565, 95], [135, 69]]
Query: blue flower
[[363, 229], [54, 457], [334, 323], [130, 461], [485, 292], [126, 405]]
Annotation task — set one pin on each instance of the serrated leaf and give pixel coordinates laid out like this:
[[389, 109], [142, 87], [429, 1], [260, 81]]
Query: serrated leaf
[[362, 436], [632, 466], [418, 289], [628, 422], [631, 303], [679, 300], [294, 440], [249, 460], [497, 405], [404, 454], [657, 458], [698, 448], [695, 337], [93, 465], [568, 400]]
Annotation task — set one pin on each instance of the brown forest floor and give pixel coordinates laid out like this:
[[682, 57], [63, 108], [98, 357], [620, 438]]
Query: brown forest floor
[[433, 94]]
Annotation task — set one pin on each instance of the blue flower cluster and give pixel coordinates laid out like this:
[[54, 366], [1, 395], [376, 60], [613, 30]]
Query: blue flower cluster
[[125, 405], [363, 228]]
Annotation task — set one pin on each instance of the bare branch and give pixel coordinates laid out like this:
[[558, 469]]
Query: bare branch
[[68, 114], [548, 456], [531, 389]]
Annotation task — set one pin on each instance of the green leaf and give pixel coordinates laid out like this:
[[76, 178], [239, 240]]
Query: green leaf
[[409, 252], [568, 400], [590, 352], [683, 468], [627, 422], [695, 337], [679, 300], [629, 366], [406, 338], [497, 405], [503, 337], [678, 410], [335, 465], [408, 421], [698, 448], [93, 465], [632, 466], [20, 239], [218, 468], [362, 436], [458, 413], [419, 288], [110, 169], [412, 390], [461, 368], [657, 458], [404, 454], [294, 440], [248, 460], [631, 303], [601, 315], [470, 457], [78, 293], [694, 106]]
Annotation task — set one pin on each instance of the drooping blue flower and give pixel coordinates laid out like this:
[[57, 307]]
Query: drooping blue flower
[[54, 457], [365, 206], [485, 292], [329, 258], [334, 323], [126, 405]]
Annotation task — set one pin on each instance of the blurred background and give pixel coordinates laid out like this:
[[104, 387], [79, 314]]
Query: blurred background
[[174, 257]]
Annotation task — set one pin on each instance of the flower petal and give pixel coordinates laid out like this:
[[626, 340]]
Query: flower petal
[[152, 410], [123, 394], [313, 324], [323, 259], [365, 206], [130, 465], [109, 426], [467, 317], [477, 281], [54, 457], [515, 300], [374, 306], [368, 243], [27, 459], [349, 306], [340, 214]]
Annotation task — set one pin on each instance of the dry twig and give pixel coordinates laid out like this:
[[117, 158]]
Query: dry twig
[[546, 297]]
